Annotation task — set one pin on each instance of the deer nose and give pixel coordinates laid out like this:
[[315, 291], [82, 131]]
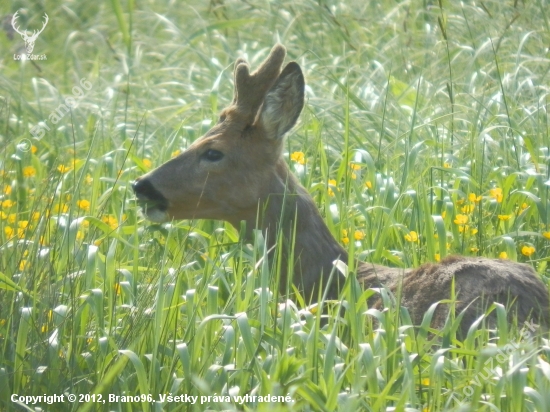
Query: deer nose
[[146, 192], [136, 186]]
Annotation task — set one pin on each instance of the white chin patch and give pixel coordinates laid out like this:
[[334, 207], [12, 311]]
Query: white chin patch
[[157, 216]]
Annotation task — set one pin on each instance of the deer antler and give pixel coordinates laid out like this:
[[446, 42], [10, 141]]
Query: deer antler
[[46, 20], [250, 89], [13, 22], [24, 34]]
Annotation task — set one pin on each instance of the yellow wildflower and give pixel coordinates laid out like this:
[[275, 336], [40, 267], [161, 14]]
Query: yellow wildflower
[[7, 204], [527, 250], [298, 157], [12, 217], [473, 198], [83, 204], [29, 171], [474, 249], [111, 221], [34, 149], [437, 257], [63, 168], [443, 214], [7, 190], [358, 235], [147, 163], [496, 193], [175, 153], [9, 232], [61, 208], [35, 216], [467, 208], [354, 166], [412, 236], [546, 235], [461, 219], [503, 255], [88, 179], [345, 238], [368, 184], [504, 217], [23, 264], [473, 231], [3, 215], [331, 182], [447, 165]]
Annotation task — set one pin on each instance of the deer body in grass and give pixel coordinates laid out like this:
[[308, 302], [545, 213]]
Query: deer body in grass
[[236, 172]]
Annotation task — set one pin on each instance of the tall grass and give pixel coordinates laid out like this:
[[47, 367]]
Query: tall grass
[[425, 133]]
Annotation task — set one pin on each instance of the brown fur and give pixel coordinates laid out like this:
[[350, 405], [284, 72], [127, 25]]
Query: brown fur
[[478, 283], [248, 180]]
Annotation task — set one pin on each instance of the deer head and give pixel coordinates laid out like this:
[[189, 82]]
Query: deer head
[[237, 164], [29, 40]]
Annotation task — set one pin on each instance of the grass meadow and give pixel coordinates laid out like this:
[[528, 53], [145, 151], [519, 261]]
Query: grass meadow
[[426, 133]]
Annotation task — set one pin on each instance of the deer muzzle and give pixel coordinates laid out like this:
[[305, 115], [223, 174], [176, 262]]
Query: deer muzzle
[[153, 204]]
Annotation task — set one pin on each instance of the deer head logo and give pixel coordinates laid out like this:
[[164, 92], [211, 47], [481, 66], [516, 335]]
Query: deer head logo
[[29, 40]]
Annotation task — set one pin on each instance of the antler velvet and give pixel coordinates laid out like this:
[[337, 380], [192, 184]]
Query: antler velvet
[[250, 89]]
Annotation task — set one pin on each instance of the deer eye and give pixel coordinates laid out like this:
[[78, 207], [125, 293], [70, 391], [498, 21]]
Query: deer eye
[[212, 155]]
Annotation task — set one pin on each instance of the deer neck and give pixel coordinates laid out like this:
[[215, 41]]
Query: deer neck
[[293, 227]]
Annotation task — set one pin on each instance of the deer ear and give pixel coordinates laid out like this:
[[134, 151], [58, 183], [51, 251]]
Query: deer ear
[[283, 102]]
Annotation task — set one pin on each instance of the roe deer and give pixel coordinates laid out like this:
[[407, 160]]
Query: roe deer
[[236, 172]]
